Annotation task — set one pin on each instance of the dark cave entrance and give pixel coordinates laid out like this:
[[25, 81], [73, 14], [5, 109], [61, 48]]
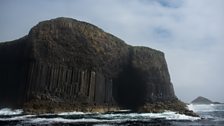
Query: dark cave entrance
[[130, 88]]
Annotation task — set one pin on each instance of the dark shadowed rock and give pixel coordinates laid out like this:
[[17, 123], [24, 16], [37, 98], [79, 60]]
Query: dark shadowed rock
[[64, 64]]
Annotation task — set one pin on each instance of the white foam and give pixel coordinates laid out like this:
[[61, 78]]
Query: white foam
[[23, 117], [72, 113], [113, 117], [8, 111], [123, 110], [169, 115], [176, 116], [63, 120], [190, 107], [103, 124]]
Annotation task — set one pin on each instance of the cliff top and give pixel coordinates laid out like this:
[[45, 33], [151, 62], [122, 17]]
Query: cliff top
[[74, 43]]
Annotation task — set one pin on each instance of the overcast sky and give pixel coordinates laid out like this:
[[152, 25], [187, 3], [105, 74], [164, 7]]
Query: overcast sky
[[189, 32]]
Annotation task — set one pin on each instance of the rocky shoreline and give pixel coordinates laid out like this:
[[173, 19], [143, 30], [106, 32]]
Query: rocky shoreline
[[42, 107]]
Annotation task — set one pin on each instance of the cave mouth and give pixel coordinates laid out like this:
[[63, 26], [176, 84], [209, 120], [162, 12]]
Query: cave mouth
[[130, 88]]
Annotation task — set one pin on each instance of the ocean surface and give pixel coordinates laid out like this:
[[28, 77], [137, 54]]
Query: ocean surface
[[210, 115]]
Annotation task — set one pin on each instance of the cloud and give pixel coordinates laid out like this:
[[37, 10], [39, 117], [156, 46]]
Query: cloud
[[190, 32], [165, 3]]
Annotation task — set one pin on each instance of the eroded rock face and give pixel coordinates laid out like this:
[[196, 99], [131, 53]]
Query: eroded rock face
[[67, 61]]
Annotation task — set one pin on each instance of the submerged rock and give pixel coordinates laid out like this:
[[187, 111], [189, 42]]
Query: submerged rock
[[65, 64]]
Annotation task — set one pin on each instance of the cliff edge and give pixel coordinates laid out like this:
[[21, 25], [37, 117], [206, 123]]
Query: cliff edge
[[65, 64]]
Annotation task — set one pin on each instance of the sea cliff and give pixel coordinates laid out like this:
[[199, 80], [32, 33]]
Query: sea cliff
[[64, 64]]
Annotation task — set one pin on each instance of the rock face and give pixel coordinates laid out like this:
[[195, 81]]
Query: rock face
[[201, 100], [75, 63]]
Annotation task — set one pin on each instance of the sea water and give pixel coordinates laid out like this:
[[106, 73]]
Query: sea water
[[210, 115]]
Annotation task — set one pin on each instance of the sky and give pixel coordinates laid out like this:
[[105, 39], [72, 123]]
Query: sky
[[189, 32]]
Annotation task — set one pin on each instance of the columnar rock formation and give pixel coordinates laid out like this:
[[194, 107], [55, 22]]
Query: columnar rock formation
[[67, 61]]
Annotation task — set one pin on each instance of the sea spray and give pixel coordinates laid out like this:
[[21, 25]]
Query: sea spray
[[9, 111]]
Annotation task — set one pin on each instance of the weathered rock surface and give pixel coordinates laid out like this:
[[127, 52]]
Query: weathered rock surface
[[67, 64]]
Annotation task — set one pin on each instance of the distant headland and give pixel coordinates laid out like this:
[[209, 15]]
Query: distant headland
[[203, 100]]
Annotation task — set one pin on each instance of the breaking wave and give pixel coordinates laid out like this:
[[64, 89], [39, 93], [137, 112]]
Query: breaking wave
[[208, 114], [81, 117], [8, 111], [213, 112]]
